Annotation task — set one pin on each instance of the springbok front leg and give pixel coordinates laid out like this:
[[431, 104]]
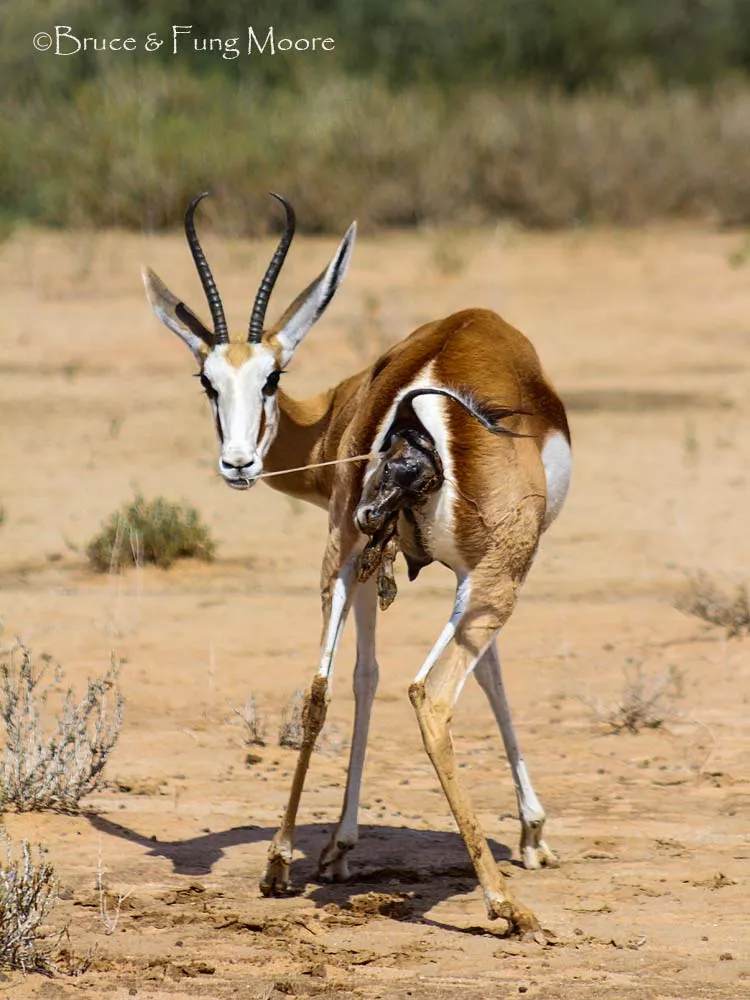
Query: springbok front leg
[[477, 617], [535, 853], [336, 601], [333, 864]]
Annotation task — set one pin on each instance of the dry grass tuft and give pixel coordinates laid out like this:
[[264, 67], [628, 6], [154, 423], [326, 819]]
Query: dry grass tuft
[[53, 764], [27, 894], [110, 905], [253, 723], [291, 730], [704, 598], [645, 702], [154, 531]]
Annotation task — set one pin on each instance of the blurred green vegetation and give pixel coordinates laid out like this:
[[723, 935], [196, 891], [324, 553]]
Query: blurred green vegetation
[[552, 112]]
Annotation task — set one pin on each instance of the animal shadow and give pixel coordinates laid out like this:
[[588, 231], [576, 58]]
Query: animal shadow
[[430, 866]]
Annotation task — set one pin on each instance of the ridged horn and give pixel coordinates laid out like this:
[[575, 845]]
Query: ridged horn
[[221, 331], [255, 330]]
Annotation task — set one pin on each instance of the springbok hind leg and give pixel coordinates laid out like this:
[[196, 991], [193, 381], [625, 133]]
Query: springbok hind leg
[[535, 852], [337, 597], [433, 695]]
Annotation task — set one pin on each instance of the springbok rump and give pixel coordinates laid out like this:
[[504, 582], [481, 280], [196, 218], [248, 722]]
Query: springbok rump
[[452, 446]]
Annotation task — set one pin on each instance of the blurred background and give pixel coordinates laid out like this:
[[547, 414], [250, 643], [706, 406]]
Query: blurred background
[[549, 112]]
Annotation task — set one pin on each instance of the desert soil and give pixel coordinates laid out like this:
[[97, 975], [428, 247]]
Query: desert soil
[[647, 336]]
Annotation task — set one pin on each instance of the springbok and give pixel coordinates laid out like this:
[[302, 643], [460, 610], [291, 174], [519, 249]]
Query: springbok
[[447, 385]]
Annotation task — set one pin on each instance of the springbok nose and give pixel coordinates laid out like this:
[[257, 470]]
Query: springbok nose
[[251, 467], [236, 457]]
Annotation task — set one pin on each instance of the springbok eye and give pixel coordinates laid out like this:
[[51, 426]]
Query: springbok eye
[[272, 383], [208, 388]]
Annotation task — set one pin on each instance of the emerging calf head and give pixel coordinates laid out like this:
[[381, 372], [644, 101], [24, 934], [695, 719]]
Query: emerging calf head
[[408, 471], [241, 377]]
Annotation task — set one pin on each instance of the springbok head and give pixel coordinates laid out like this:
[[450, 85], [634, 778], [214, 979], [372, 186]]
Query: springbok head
[[240, 377]]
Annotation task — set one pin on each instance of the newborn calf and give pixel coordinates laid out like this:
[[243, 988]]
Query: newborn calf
[[409, 471]]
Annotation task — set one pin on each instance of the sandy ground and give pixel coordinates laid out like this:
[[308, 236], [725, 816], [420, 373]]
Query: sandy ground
[[647, 336]]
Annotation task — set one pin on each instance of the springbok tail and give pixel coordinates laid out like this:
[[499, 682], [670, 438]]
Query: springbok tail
[[489, 416]]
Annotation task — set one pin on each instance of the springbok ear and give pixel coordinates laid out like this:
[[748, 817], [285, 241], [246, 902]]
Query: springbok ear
[[310, 305], [175, 314]]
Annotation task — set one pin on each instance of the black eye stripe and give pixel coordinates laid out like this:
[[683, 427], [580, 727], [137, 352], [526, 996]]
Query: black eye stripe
[[208, 388], [270, 387], [272, 383]]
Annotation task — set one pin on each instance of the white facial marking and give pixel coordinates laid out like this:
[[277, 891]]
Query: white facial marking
[[239, 402], [557, 459]]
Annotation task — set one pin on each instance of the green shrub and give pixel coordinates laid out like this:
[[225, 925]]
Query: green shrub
[[131, 150], [154, 531], [568, 43], [552, 112]]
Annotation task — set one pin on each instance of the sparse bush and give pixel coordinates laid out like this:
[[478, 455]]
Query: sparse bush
[[27, 894], [254, 724], [110, 904], [291, 729], [645, 702], [52, 764], [155, 531], [703, 597]]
